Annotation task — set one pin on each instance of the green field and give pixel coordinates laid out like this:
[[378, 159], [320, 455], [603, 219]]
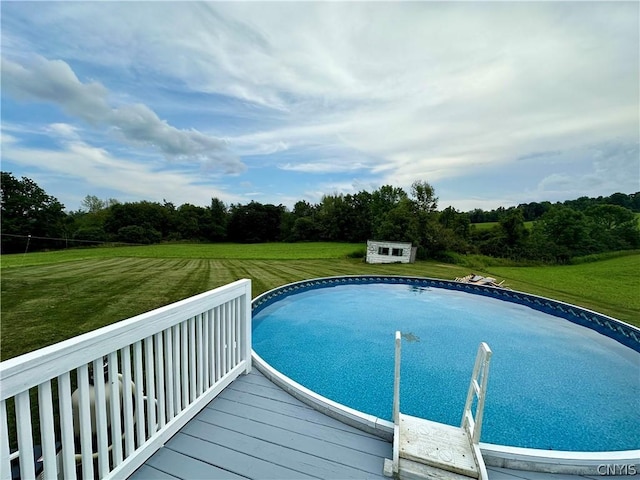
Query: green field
[[48, 297], [489, 225]]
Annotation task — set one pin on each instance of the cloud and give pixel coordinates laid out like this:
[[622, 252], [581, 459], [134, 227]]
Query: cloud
[[335, 165], [55, 82], [98, 168], [62, 130], [614, 167]]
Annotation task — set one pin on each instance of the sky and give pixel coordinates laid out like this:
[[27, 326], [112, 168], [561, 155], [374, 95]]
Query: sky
[[492, 103]]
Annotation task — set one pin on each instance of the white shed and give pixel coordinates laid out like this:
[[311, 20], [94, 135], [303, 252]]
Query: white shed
[[390, 252]]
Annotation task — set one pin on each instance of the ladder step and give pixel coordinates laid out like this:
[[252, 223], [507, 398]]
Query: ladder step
[[441, 446]]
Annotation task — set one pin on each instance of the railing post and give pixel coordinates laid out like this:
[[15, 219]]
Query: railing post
[[246, 327]]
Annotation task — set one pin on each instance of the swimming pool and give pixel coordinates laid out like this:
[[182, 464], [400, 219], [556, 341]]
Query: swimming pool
[[554, 384]]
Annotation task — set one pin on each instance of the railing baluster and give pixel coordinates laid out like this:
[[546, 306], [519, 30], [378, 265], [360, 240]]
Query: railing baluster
[[127, 402], [206, 359], [200, 355], [85, 421], [184, 361], [47, 434], [66, 427], [101, 416], [116, 425], [229, 341], [223, 338], [139, 393], [176, 369], [192, 359], [160, 392], [150, 384], [5, 463], [25, 439], [168, 369], [232, 336], [236, 331], [218, 343]]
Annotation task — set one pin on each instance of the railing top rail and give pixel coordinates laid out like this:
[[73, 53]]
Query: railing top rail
[[33, 368]]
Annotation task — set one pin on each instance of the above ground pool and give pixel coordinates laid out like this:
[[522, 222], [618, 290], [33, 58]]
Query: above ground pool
[[561, 378]]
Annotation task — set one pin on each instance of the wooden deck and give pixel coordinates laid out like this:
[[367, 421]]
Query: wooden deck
[[254, 429]]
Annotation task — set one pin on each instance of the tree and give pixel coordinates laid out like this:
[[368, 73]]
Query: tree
[[332, 218], [219, 219], [28, 212], [148, 215], [255, 223], [400, 224], [424, 196], [93, 204], [560, 234], [614, 227], [512, 225]]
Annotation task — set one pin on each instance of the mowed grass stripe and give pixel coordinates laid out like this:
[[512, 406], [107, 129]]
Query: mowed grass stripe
[[225, 251]]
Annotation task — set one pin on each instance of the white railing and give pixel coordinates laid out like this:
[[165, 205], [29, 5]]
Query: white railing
[[136, 383]]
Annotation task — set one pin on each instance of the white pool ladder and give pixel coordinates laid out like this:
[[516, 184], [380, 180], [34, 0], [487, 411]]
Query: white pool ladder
[[426, 449]]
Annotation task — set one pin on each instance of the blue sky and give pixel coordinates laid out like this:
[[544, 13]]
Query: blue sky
[[493, 104]]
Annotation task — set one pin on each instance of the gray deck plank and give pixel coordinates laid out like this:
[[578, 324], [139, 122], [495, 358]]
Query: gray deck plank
[[254, 429], [258, 378], [367, 444], [265, 392], [298, 442], [280, 450], [167, 459], [300, 411], [146, 472], [240, 463]]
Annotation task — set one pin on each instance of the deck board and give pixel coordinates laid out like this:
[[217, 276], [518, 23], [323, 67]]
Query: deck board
[[254, 429], [353, 440], [196, 468]]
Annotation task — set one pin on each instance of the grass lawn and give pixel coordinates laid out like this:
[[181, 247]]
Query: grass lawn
[[258, 251], [489, 225], [609, 286], [50, 296]]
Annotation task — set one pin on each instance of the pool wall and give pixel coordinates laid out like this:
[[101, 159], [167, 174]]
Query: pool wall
[[549, 461]]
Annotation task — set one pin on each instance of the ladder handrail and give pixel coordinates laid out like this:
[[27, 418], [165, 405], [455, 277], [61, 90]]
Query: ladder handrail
[[396, 380], [396, 404], [478, 388]]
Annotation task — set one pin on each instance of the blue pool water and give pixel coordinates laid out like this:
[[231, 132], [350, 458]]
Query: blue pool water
[[553, 384]]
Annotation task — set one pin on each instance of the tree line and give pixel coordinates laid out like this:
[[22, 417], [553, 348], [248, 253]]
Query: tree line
[[33, 220]]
